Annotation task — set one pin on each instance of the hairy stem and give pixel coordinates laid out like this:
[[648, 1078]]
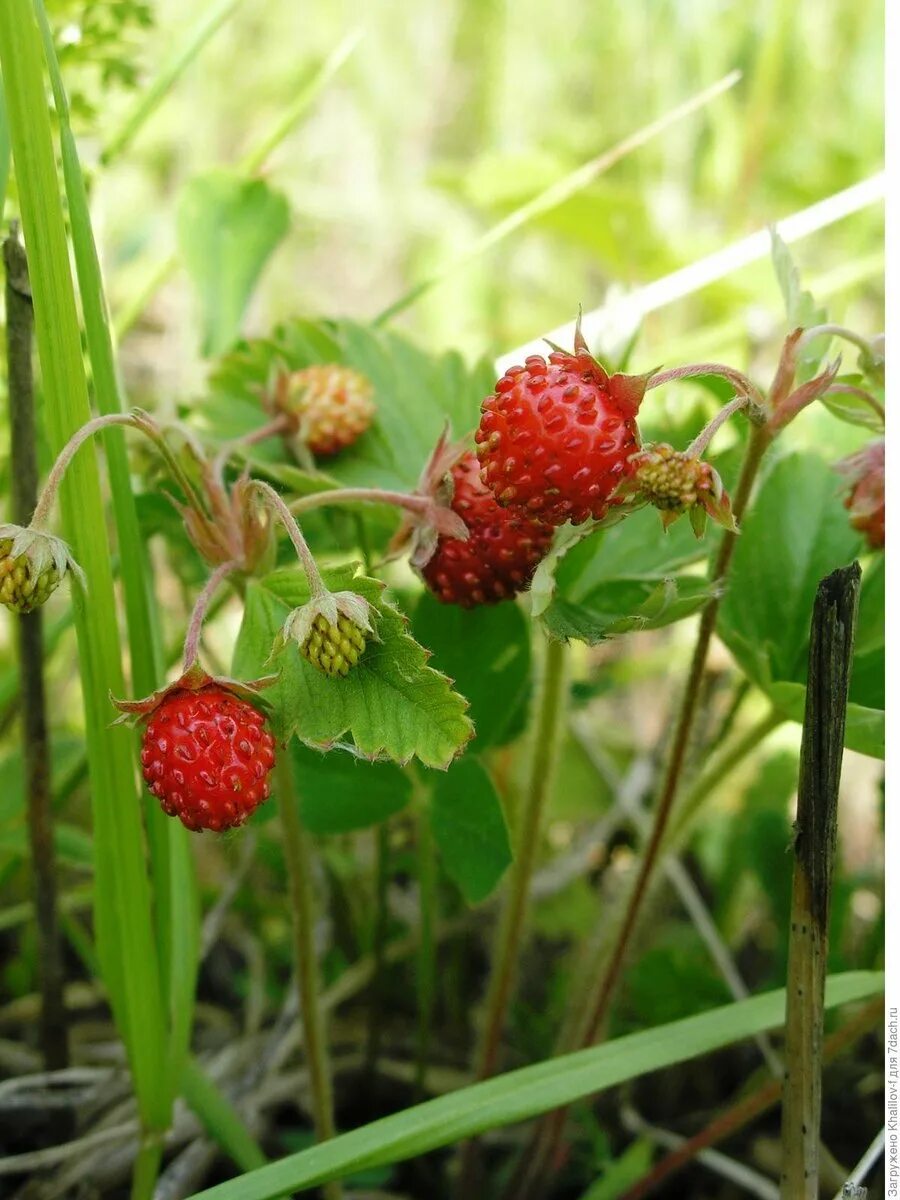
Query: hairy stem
[[705, 436], [598, 1011], [195, 627], [52, 1030], [299, 862], [308, 563], [741, 384], [273, 428], [831, 330], [54, 479], [536, 1162], [550, 714], [414, 504]]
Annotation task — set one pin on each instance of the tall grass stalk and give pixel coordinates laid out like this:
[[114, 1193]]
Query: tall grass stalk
[[123, 902], [176, 905]]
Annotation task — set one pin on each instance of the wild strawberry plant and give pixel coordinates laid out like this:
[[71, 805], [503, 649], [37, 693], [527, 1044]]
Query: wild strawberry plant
[[413, 552]]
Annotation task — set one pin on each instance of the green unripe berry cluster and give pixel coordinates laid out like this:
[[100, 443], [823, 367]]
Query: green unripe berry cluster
[[20, 589], [334, 649]]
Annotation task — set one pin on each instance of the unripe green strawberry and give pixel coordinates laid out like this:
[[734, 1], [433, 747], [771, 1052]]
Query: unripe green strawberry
[[676, 482], [331, 631], [32, 566], [334, 649]]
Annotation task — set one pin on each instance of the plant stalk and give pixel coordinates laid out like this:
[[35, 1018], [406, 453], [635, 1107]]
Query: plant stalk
[[379, 946], [52, 1031], [195, 628], [542, 1151], [299, 862], [508, 945], [759, 441], [821, 754], [426, 959]]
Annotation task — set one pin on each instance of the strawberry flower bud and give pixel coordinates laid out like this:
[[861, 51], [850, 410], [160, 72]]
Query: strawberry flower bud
[[32, 566], [331, 631]]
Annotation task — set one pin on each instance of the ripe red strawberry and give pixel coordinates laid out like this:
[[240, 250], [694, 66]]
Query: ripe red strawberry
[[498, 558], [207, 755], [865, 500], [556, 437]]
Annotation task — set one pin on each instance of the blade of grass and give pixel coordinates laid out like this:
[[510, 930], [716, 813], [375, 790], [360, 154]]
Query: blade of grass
[[521, 1094], [123, 923], [251, 164], [151, 97], [4, 152], [554, 195], [687, 280], [175, 891], [221, 1120]]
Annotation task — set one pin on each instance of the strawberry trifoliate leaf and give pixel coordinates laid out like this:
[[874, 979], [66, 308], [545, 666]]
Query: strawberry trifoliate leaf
[[629, 577], [391, 704], [415, 394], [797, 532]]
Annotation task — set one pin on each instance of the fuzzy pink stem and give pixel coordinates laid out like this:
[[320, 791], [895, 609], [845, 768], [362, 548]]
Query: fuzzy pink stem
[[415, 504], [192, 641], [314, 579], [705, 436], [54, 479], [272, 429], [741, 384]]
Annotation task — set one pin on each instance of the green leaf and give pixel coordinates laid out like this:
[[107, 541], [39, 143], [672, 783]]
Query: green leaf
[[631, 576], [525, 1093], [620, 1174], [486, 651], [339, 792], [470, 829], [392, 703], [856, 410], [227, 229], [415, 394], [795, 533]]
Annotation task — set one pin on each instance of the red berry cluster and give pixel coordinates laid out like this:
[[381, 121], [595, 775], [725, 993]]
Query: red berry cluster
[[207, 755], [500, 554]]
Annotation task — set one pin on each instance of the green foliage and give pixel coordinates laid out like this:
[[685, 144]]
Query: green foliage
[[470, 829], [524, 1093], [856, 410], [611, 581], [228, 228], [391, 703], [486, 651], [795, 534], [339, 791], [800, 307]]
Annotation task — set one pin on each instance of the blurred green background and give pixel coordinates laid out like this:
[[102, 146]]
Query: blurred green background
[[447, 115]]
